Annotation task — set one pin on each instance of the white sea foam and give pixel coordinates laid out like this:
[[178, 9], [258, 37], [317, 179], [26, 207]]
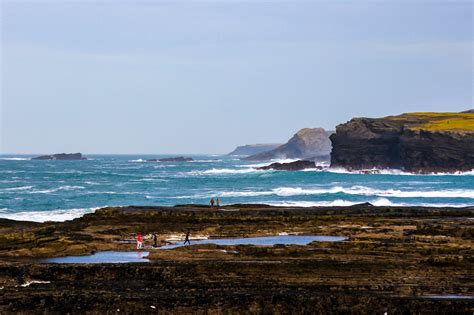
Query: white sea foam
[[222, 171], [49, 215], [394, 172], [15, 159], [355, 190], [18, 188], [205, 161], [48, 191], [379, 202], [137, 161]]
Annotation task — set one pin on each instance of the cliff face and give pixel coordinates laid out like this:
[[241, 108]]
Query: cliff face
[[417, 142], [251, 149], [308, 143]]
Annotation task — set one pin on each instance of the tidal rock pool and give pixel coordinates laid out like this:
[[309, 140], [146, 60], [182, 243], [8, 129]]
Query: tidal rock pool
[[106, 257], [264, 241], [137, 256]]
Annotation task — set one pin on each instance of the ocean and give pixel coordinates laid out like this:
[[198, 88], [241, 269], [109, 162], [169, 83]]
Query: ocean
[[63, 190]]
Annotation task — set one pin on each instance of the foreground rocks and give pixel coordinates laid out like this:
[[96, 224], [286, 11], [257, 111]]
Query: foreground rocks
[[292, 166], [417, 142], [397, 260], [308, 144], [61, 157]]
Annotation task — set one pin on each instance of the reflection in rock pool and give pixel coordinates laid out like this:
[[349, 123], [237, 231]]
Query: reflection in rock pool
[[129, 257], [265, 241], [106, 257]]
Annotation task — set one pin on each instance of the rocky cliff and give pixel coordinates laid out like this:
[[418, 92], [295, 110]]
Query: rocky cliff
[[251, 149], [414, 142], [308, 144]]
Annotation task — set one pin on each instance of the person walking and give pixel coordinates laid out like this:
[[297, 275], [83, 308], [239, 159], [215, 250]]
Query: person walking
[[186, 239], [212, 202], [155, 238], [218, 202], [139, 241]]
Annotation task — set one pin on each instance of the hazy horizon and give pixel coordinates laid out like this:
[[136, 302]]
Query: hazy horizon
[[202, 77]]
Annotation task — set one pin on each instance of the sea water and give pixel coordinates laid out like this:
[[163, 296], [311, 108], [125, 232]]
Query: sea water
[[63, 190]]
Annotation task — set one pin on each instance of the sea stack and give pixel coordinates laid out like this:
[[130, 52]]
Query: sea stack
[[252, 149], [307, 144], [414, 142]]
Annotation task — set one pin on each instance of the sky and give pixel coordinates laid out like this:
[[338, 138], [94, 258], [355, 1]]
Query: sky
[[205, 76]]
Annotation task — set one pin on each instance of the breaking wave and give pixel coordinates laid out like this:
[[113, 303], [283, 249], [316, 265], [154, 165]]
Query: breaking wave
[[394, 172], [15, 159], [62, 188], [222, 171], [355, 190], [49, 215], [379, 202]]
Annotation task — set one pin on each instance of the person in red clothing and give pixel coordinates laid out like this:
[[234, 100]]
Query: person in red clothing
[[139, 241]]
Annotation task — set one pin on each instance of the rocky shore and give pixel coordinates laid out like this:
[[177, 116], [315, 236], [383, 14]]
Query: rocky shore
[[396, 260]]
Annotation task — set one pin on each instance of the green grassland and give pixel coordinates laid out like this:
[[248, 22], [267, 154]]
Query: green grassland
[[431, 121]]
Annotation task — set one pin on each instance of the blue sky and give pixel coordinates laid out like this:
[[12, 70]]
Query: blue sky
[[205, 76]]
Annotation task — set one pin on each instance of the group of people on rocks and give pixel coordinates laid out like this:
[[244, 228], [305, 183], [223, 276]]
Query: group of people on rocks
[[155, 240], [216, 202]]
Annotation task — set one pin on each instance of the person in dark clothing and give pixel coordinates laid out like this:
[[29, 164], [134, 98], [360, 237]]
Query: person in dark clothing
[[154, 240], [186, 239], [212, 202]]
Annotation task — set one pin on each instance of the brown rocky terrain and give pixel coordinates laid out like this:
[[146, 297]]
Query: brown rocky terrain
[[396, 260]]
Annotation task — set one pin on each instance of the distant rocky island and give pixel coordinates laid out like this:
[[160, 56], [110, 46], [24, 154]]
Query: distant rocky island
[[415, 142], [252, 149], [172, 159], [61, 157], [291, 166], [307, 144]]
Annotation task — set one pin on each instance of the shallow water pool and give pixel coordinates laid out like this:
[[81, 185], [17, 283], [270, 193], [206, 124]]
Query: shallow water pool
[[265, 241], [109, 257], [106, 257]]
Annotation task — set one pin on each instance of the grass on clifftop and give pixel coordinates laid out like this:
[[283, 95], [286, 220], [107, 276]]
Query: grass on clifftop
[[430, 121]]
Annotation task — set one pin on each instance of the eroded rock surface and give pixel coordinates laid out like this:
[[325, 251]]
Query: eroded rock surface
[[396, 260]]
